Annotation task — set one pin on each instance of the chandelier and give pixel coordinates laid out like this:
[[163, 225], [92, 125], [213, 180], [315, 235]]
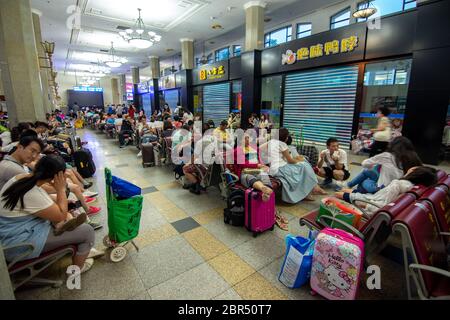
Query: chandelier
[[113, 61], [139, 36], [365, 11]]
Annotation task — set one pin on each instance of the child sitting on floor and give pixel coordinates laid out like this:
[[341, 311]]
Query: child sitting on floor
[[425, 176]]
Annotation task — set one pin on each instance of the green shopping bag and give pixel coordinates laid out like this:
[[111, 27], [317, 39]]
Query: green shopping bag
[[124, 216], [339, 210]]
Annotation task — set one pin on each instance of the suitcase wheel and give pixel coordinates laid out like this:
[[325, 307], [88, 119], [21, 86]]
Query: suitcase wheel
[[226, 220], [273, 227], [255, 234]]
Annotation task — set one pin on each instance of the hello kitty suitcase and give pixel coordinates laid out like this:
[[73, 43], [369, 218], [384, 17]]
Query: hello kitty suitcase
[[338, 261]]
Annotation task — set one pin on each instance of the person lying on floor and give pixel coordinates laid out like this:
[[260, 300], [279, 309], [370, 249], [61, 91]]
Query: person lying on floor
[[299, 182], [385, 167], [425, 176], [27, 213], [253, 174]]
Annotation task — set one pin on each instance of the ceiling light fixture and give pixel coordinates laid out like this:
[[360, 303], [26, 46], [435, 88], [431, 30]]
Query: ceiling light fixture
[[113, 61], [138, 36], [365, 11]]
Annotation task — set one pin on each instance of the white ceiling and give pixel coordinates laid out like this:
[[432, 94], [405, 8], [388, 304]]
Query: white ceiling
[[172, 19]]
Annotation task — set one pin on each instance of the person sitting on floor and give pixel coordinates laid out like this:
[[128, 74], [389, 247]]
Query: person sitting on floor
[[27, 213], [333, 163], [425, 176]]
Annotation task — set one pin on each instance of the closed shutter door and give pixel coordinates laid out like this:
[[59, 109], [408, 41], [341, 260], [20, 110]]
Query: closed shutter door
[[322, 102], [216, 103]]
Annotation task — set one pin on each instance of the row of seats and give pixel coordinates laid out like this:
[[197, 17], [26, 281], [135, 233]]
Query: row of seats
[[423, 234]]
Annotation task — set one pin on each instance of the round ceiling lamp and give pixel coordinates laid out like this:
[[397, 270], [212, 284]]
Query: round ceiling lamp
[[139, 37], [365, 11], [113, 61]]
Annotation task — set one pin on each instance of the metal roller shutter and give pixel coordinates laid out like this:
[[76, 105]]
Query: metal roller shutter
[[323, 102], [216, 102]]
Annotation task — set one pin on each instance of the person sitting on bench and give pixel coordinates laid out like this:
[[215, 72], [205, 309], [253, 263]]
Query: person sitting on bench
[[27, 213], [424, 176]]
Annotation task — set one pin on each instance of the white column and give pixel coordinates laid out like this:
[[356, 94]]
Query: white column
[[254, 25]]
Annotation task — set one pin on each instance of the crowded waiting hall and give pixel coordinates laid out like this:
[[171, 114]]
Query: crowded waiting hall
[[224, 150]]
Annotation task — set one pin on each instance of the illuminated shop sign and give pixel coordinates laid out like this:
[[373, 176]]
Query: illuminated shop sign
[[319, 50], [88, 89], [213, 73]]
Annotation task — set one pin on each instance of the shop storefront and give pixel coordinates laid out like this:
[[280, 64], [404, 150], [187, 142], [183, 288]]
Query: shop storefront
[[146, 98], [331, 84], [169, 91], [217, 90]]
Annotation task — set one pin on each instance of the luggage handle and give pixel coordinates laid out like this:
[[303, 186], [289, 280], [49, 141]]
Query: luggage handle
[[365, 214], [345, 224]]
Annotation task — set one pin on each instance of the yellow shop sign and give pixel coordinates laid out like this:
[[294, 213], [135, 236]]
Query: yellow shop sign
[[213, 73], [319, 50]]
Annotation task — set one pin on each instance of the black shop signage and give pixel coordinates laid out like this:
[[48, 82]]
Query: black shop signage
[[210, 73], [341, 45]]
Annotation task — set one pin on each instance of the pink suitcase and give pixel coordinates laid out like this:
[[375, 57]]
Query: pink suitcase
[[259, 215], [338, 261]]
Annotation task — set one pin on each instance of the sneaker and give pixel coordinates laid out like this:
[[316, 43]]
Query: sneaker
[[187, 186], [195, 189], [94, 254], [87, 265], [94, 225], [93, 211], [340, 185], [88, 185], [326, 182], [71, 225], [90, 194], [121, 147], [90, 200], [139, 154]]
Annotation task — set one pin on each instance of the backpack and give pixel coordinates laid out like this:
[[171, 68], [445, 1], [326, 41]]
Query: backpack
[[234, 213]]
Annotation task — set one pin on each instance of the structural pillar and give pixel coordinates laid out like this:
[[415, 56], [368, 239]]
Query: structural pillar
[[136, 80], [46, 97], [115, 91], [154, 67], [19, 62], [251, 60], [254, 25], [429, 87], [187, 53], [154, 82], [123, 88]]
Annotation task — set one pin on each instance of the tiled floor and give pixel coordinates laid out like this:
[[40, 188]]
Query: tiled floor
[[186, 251]]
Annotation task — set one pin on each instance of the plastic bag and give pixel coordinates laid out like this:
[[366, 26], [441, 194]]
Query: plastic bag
[[123, 189], [296, 268]]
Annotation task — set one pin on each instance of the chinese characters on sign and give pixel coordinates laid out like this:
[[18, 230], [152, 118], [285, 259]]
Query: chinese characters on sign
[[319, 50], [213, 73]]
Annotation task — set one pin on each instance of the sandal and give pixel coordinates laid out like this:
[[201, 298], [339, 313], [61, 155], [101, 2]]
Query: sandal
[[71, 225], [281, 225], [282, 218]]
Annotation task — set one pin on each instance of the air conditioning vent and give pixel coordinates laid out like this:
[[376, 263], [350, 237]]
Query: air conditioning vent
[[96, 11], [185, 3], [104, 50], [122, 28]]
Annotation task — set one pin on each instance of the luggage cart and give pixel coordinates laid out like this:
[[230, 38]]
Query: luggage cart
[[124, 217]]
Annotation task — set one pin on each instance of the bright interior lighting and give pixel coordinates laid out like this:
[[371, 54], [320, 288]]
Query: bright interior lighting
[[140, 43], [140, 31], [129, 31], [113, 64], [151, 34]]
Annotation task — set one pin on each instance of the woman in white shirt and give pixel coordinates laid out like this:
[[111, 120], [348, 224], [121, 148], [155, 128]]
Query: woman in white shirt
[[298, 179], [27, 213], [380, 170]]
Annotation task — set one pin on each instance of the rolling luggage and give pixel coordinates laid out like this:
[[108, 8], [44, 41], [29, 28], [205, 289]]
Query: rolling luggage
[[148, 155], [338, 261], [234, 213], [259, 215], [84, 163]]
